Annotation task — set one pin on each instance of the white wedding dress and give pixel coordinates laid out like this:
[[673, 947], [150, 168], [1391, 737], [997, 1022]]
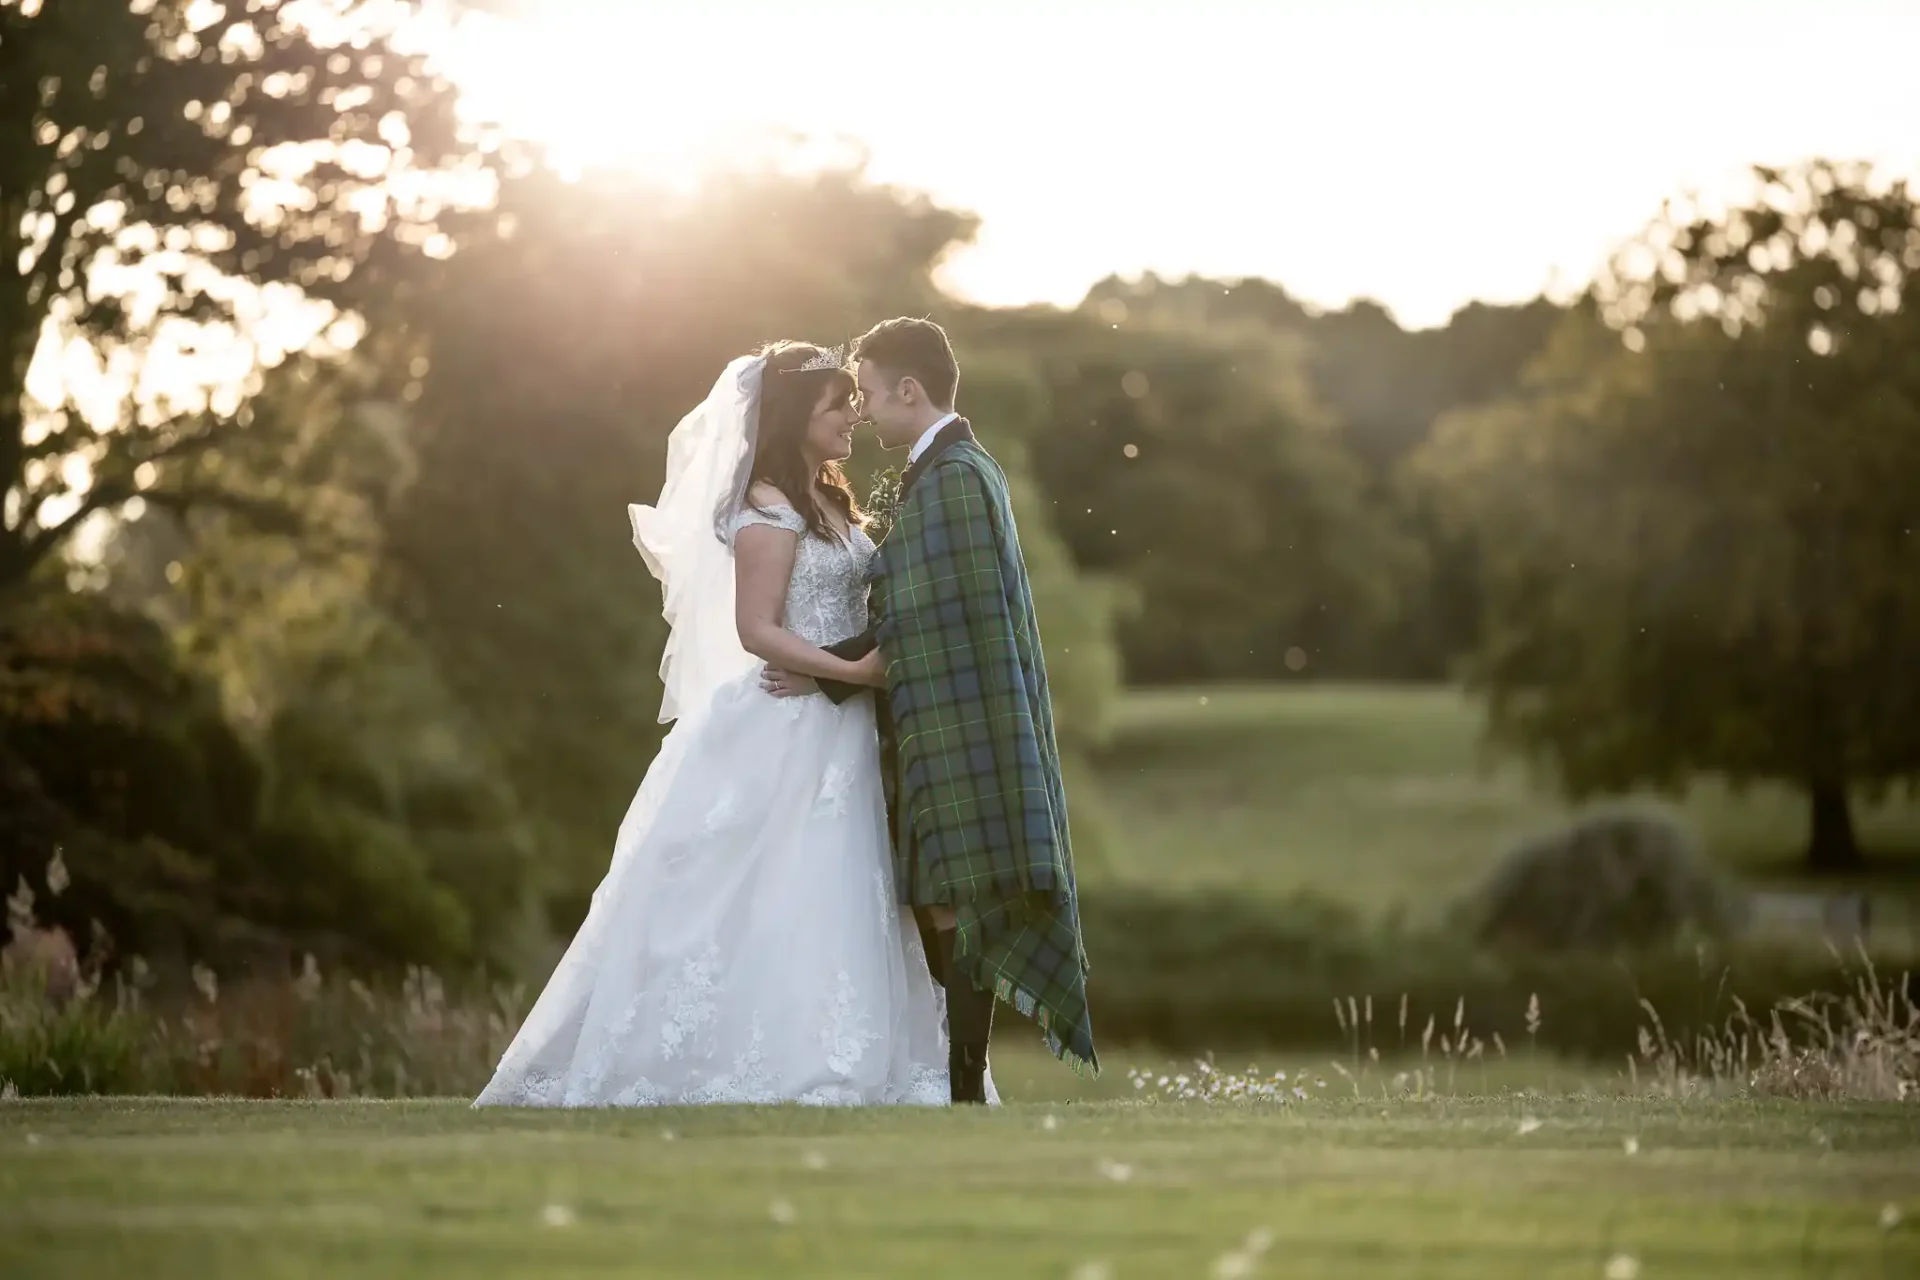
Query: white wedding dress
[[747, 945]]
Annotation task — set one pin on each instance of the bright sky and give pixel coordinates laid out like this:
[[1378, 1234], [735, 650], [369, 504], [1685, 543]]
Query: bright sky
[[1420, 152]]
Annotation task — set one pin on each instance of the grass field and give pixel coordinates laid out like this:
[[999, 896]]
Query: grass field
[[1510, 1186], [1497, 1167], [1382, 796]]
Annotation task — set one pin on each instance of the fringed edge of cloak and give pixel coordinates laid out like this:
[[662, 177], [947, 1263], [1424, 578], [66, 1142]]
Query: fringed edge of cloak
[[1020, 999], [1027, 1005]]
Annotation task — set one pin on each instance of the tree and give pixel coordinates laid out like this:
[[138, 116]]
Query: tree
[[164, 167], [1195, 465], [237, 755], [1697, 520], [1080, 612], [391, 831], [1383, 388]]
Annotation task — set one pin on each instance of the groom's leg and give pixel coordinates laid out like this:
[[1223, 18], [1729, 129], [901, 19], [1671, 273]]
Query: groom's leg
[[969, 1027]]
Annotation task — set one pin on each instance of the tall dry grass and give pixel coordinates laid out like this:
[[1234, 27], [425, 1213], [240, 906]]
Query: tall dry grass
[[67, 1026], [1862, 1046]]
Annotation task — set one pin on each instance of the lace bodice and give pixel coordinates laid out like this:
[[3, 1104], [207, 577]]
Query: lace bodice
[[827, 594]]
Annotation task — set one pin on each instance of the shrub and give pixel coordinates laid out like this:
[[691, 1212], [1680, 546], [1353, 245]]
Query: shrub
[[111, 751], [293, 1036], [57, 1034], [1186, 975], [1614, 877], [1225, 972], [68, 1025]]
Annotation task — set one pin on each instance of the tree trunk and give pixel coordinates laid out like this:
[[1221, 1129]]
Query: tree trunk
[[1832, 847]]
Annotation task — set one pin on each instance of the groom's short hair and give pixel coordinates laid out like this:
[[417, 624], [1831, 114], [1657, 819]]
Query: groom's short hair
[[916, 349]]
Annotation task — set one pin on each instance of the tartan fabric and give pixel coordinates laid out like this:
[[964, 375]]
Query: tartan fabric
[[980, 813]]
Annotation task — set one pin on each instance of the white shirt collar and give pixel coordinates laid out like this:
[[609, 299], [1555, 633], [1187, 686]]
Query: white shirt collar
[[926, 438]]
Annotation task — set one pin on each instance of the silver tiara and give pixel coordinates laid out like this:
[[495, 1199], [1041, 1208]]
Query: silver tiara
[[829, 358]]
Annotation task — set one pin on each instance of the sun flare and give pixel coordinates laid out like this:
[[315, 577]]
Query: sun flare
[[1292, 142], [663, 95]]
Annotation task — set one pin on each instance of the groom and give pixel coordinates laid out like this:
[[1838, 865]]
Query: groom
[[980, 817]]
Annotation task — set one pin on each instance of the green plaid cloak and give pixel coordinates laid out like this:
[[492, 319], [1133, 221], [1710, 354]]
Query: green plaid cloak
[[980, 812]]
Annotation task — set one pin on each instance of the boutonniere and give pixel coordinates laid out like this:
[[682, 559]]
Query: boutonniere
[[882, 505]]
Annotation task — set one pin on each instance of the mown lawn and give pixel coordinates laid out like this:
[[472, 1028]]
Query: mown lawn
[[1383, 796], [1493, 1187]]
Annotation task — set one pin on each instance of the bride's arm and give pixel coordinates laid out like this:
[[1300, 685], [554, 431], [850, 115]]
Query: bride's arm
[[762, 564]]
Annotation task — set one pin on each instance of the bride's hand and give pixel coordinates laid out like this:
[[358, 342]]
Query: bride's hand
[[785, 684], [872, 670]]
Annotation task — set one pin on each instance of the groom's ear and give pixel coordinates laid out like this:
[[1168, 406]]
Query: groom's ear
[[909, 389]]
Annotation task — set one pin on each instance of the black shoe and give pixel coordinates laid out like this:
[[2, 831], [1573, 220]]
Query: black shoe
[[967, 1075]]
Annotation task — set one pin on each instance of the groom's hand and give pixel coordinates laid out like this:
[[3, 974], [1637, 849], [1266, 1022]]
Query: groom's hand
[[785, 684]]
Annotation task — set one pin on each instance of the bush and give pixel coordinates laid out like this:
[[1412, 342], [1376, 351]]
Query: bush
[[115, 754], [1225, 972], [56, 1035], [356, 822], [1184, 975], [1611, 878], [70, 1025]]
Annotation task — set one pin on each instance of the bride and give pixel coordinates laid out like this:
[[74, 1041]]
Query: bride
[[746, 944]]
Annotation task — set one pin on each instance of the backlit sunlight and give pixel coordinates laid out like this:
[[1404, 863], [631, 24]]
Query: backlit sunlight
[[1385, 149]]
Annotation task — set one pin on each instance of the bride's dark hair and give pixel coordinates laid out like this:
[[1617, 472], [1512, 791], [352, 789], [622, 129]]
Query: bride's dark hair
[[788, 398]]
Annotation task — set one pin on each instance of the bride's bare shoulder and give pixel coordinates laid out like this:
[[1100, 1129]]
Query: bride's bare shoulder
[[763, 493]]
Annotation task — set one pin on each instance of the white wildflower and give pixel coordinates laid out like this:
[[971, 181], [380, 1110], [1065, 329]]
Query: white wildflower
[[557, 1215], [307, 985], [782, 1212], [1623, 1266], [1231, 1266]]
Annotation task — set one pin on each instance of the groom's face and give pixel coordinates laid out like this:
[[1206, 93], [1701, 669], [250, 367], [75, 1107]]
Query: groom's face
[[887, 401]]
